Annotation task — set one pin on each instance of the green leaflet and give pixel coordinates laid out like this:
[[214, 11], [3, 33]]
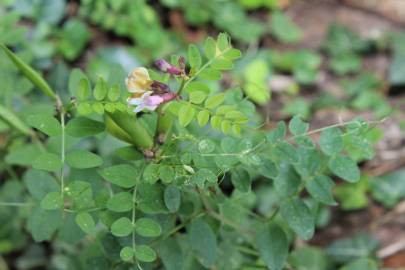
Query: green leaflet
[[82, 159], [122, 175], [145, 253], [345, 168], [85, 222], [83, 127], [122, 227], [43, 223], [147, 227], [298, 217], [120, 202]]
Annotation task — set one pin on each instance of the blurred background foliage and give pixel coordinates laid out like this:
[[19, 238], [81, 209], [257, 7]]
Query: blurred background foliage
[[283, 76]]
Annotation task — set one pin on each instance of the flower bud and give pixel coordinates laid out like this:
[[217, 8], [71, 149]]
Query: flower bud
[[182, 63], [164, 66]]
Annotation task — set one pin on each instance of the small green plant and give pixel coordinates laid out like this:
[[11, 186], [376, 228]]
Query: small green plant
[[167, 172]]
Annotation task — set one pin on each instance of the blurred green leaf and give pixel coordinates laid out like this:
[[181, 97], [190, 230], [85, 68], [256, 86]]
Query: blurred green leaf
[[43, 223], [24, 155], [83, 127], [47, 162], [320, 188], [13, 120], [40, 183], [331, 141], [298, 217], [273, 246], [171, 254], [341, 39], [348, 249], [45, 123], [297, 126], [284, 29], [256, 76], [345, 63], [361, 264], [389, 189], [287, 181], [309, 258], [345, 168], [172, 198], [73, 38], [241, 180], [203, 242], [52, 200]]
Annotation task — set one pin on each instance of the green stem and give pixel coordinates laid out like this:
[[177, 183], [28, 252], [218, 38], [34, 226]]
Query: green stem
[[228, 222], [342, 124], [210, 211], [86, 210], [178, 227], [254, 266], [37, 141], [247, 250], [182, 86], [274, 214], [133, 217], [11, 172], [62, 154], [16, 204], [251, 213], [133, 225]]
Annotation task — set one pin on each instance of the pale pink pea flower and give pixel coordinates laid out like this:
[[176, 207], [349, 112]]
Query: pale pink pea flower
[[146, 101]]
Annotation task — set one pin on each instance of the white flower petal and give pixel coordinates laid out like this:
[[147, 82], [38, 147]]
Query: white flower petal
[[135, 101], [139, 108]]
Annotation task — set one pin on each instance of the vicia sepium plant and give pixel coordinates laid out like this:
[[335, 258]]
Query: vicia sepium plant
[[192, 182]]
